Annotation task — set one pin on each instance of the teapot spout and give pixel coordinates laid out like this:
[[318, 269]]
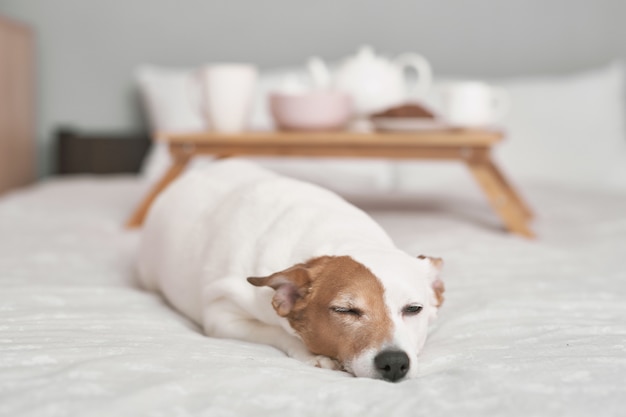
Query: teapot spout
[[319, 72]]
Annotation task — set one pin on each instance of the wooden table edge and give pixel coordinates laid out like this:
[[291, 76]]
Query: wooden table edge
[[445, 137]]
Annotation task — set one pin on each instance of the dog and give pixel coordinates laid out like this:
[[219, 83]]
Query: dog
[[251, 255]]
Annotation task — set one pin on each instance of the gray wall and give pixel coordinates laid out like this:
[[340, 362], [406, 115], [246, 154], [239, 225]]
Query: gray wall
[[88, 49]]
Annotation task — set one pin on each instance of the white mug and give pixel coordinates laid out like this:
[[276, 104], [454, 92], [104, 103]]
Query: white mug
[[473, 103], [227, 94]]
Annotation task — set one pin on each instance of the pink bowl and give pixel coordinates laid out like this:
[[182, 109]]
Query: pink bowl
[[319, 110]]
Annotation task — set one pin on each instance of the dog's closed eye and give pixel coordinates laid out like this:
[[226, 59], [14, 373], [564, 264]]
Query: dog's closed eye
[[412, 309], [351, 311]]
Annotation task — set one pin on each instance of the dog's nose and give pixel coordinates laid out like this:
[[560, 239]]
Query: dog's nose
[[392, 364]]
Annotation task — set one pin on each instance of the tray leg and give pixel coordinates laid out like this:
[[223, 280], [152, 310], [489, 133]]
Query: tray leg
[[502, 197], [511, 191], [178, 166]]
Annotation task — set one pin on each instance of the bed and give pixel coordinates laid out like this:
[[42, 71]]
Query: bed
[[529, 327]]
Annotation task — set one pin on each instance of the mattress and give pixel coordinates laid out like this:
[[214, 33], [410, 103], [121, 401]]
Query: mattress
[[528, 328]]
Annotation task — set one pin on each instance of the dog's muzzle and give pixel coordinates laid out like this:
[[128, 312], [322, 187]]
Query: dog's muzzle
[[392, 365]]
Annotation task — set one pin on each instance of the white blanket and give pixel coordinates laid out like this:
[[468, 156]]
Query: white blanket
[[529, 327]]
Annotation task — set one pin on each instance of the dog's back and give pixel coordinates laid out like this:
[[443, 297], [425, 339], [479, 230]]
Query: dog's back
[[237, 219]]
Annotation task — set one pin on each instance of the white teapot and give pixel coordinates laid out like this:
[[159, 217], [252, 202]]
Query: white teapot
[[374, 82]]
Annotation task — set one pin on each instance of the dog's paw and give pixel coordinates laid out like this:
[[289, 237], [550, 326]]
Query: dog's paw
[[300, 352], [324, 362]]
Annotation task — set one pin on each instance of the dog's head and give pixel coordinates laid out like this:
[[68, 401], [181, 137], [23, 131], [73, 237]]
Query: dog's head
[[372, 319]]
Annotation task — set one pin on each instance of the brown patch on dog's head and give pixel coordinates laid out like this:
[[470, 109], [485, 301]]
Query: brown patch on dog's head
[[334, 303]]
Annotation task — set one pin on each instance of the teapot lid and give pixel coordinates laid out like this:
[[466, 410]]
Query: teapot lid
[[366, 52]]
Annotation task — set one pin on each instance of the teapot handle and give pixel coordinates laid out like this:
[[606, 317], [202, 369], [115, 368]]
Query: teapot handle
[[422, 68]]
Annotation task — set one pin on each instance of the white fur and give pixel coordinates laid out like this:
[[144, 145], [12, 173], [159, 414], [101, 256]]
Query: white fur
[[406, 280], [214, 227]]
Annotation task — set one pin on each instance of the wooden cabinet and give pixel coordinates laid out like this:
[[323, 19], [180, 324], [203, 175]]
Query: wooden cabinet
[[17, 94]]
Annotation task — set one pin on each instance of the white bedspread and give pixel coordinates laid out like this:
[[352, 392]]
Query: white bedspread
[[528, 328]]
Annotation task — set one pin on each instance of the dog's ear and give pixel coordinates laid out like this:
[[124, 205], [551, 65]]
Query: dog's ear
[[290, 285], [436, 282]]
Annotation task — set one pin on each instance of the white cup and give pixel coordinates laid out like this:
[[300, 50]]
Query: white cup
[[473, 103], [227, 94]]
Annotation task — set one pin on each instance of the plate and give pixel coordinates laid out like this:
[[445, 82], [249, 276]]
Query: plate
[[408, 124]]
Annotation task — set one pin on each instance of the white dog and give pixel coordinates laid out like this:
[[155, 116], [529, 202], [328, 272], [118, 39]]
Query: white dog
[[328, 285]]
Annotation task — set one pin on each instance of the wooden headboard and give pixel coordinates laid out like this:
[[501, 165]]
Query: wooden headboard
[[80, 152], [17, 97]]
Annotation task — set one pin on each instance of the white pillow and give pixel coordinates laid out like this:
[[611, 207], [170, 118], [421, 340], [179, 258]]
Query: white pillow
[[170, 108], [171, 101], [568, 129], [565, 129]]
